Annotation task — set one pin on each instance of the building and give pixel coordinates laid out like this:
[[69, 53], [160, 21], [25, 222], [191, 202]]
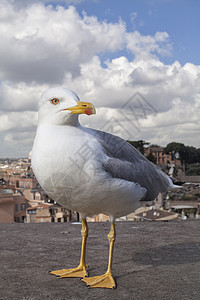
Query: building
[[7, 206], [21, 204], [184, 200], [49, 213], [12, 206], [35, 196], [21, 166], [98, 218], [22, 182], [161, 158], [152, 214], [38, 214]]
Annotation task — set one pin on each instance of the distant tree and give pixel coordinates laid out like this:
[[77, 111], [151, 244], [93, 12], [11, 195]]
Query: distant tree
[[139, 145], [188, 154], [155, 145], [174, 147], [193, 170], [151, 158], [198, 155]]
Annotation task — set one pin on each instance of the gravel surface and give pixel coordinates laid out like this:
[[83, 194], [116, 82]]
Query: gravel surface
[[152, 260]]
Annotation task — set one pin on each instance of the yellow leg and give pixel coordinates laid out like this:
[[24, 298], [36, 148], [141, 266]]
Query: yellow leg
[[106, 280], [80, 271]]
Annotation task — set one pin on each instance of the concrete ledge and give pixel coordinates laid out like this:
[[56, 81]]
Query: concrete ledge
[[151, 260]]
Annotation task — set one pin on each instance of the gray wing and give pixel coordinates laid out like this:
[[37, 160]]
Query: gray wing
[[126, 162]]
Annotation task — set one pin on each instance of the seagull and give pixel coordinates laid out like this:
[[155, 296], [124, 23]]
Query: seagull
[[90, 172]]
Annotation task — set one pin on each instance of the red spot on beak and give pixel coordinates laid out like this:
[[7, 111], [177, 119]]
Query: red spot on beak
[[88, 111]]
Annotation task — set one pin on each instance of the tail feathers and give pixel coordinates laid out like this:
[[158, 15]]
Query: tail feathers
[[173, 184]]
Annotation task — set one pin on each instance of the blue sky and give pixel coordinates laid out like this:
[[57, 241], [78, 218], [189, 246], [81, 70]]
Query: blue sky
[[107, 52], [180, 19]]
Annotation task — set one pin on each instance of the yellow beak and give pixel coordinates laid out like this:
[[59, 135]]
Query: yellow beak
[[82, 108]]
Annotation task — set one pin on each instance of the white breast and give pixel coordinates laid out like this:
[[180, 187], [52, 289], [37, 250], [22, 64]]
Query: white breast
[[64, 159]]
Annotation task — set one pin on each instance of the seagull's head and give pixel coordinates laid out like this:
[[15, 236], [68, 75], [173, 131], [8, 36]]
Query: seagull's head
[[61, 106]]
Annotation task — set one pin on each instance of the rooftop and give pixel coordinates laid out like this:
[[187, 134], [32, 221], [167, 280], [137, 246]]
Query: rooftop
[[152, 260], [45, 205]]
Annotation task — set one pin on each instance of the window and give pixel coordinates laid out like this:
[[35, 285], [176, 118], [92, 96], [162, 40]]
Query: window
[[21, 184], [22, 219], [23, 206], [32, 211], [28, 185], [17, 183], [16, 207]]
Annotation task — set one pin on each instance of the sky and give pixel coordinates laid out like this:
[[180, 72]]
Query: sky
[[136, 61]]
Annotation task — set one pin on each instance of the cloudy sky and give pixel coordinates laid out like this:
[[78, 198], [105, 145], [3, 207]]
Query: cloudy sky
[[136, 61]]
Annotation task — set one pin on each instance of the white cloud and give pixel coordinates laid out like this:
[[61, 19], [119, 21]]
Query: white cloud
[[20, 96], [147, 46], [42, 46], [40, 43], [18, 121], [17, 132], [172, 90]]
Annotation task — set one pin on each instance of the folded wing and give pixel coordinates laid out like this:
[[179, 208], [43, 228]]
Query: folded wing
[[126, 162]]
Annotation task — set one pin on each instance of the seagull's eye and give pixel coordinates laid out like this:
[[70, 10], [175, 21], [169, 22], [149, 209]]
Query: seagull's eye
[[55, 101]]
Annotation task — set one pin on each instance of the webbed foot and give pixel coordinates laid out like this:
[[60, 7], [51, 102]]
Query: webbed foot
[[102, 281], [80, 272]]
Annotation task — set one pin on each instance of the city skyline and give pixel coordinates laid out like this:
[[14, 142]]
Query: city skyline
[[138, 63]]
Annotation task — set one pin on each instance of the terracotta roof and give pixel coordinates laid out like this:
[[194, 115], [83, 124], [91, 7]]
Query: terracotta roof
[[39, 206], [155, 215]]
